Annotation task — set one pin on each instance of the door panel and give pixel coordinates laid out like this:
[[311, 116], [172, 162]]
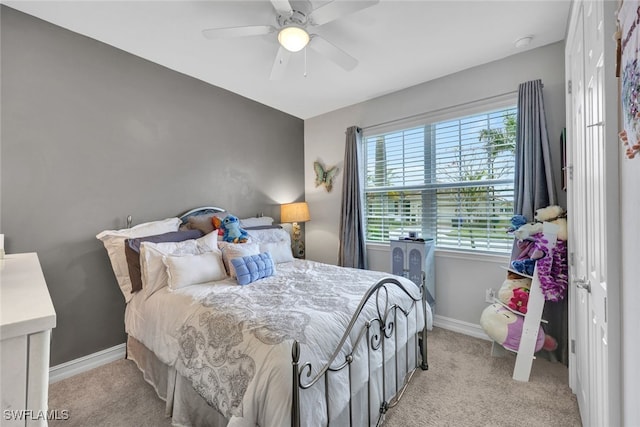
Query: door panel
[[578, 220], [588, 203], [596, 198]]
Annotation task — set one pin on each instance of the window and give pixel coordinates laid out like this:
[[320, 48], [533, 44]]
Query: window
[[450, 179]]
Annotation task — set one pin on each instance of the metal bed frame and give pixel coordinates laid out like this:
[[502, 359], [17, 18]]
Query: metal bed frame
[[376, 330]]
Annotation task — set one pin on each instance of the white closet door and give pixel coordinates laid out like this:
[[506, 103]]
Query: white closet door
[[593, 217]]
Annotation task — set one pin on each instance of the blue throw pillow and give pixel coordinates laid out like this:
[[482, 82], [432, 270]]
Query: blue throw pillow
[[253, 267]]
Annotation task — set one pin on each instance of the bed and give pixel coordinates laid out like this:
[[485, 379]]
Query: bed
[[306, 344]]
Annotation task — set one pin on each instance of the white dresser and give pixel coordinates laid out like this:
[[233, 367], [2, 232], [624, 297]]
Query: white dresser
[[413, 259], [26, 319]]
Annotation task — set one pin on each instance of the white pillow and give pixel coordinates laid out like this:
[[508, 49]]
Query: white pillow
[[270, 235], [280, 251], [152, 268], [236, 250], [113, 241], [189, 270], [208, 242], [257, 221]]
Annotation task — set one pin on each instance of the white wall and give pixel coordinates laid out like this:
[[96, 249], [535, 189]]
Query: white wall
[[459, 293], [630, 287]]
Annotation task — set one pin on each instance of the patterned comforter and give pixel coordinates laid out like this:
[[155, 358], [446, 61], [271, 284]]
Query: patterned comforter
[[234, 342]]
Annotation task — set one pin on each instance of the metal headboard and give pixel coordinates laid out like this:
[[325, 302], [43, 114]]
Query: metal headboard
[[204, 210]]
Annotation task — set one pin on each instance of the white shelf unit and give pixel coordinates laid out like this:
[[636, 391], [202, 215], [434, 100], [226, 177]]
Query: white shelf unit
[[533, 318]]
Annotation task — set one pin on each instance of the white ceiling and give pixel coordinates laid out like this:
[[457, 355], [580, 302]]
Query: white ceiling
[[398, 43]]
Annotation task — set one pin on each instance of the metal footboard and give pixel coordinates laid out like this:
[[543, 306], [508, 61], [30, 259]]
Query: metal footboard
[[376, 331]]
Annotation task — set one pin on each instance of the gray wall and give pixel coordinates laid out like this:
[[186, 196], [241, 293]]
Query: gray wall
[[91, 134]]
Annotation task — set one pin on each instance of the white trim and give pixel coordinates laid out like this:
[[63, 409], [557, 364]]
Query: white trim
[[460, 326], [501, 259], [86, 363], [505, 100], [379, 247]]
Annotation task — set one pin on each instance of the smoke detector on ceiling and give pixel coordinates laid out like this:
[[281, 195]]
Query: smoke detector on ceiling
[[523, 41]]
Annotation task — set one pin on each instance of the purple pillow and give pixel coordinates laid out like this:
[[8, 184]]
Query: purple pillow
[[132, 251]]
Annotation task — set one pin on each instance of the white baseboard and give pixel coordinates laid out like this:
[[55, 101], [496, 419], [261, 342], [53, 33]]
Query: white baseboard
[[86, 363], [459, 326]]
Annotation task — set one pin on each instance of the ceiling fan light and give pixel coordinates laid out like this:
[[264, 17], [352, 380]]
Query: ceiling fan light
[[293, 38]]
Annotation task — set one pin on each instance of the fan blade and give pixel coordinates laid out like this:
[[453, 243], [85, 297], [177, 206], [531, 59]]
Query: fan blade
[[283, 7], [280, 64], [232, 32], [336, 9], [333, 52]]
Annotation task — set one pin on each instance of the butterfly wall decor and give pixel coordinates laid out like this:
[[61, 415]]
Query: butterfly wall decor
[[325, 176]]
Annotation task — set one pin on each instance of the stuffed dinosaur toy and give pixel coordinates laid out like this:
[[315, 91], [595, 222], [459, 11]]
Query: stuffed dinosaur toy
[[230, 226]]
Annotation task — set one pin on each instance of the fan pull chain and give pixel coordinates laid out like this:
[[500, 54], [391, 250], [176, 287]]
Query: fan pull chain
[[305, 61]]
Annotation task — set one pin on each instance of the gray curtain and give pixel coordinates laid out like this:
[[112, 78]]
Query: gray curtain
[[535, 188], [352, 252]]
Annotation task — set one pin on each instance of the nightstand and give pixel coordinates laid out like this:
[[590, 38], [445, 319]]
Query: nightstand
[[26, 319]]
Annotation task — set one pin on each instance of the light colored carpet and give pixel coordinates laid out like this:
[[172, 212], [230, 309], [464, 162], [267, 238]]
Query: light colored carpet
[[464, 386]]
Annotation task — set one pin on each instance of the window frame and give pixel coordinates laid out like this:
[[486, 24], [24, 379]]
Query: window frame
[[456, 112]]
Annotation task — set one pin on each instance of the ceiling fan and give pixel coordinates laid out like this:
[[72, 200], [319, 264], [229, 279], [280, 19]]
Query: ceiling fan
[[293, 20]]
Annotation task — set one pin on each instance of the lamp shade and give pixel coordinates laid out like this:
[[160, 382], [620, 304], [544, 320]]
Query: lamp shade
[[294, 212], [293, 38]]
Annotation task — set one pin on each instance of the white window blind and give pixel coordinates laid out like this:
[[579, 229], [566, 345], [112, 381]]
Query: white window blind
[[451, 180]]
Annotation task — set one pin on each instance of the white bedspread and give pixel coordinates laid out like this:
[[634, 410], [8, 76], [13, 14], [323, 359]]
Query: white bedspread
[[234, 342]]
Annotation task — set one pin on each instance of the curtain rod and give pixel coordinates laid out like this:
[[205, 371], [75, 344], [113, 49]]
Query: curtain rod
[[415, 116]]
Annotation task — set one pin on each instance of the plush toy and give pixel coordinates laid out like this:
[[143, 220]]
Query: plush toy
[[230, 226], [526, 231], [524, 266], [513, 275], [519, 300], [556, 215], [517, 221], [505, 328], [549, 213], [529, 238], [562, 232], [513, 282]]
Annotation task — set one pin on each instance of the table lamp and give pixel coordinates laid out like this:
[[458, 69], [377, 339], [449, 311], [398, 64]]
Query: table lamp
[[295, 213]]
